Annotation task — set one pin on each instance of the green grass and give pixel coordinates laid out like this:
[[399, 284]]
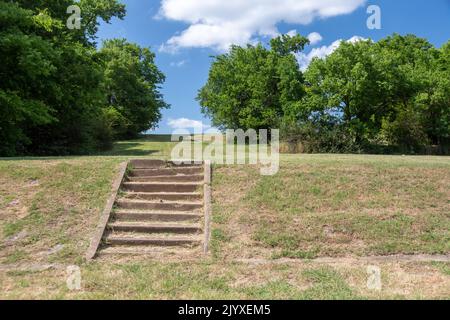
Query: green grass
[[318, 205], [210, 279], [444, 267], [16, 256], [56, 202], [156, 146], [327, 284]]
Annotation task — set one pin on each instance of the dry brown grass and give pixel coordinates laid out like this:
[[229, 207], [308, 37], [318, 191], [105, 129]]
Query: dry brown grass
[[317, 207], [49, 209], [142, 279]]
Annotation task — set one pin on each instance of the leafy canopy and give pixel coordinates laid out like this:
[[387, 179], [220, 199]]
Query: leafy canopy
[[254, 87], [56, 88]]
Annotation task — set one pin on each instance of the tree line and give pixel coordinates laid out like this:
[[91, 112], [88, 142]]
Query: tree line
[[389, 96], [59, 93]]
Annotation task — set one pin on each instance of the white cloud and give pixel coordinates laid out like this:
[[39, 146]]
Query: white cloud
[[184, 123], [292, 33], [314, 38], [355, 39], [321, 52], [218, 23], [178, 63]]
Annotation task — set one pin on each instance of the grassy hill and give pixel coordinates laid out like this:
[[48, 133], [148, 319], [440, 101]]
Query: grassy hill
[[338, 206]]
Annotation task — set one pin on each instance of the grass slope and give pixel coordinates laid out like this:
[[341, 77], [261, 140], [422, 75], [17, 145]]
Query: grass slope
[[324, 205], [319, 205]]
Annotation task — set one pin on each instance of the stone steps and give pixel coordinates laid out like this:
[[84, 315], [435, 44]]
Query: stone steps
[[162, 187], [158, 205], [152, 252], [136, 215], [159, 209], [166, 196], [168, 178], [173, 171], [140, 227], [172, 241]]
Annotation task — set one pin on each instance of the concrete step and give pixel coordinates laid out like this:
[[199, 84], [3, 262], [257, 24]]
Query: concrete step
[[152, 251], [187, 164], [158, 205], [162, 187], [129, 215], [155, 228], [170, 178], [146, 163], [122, 240], [189, 196], [171, 171], [152, 164]]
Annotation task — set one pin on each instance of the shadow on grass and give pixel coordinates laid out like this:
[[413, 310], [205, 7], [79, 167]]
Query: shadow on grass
[[124, 149], [146, 145], [129, 149], [156, 138]]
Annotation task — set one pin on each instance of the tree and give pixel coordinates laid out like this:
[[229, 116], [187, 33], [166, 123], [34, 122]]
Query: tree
[[91, 10], [414, 86], [99, 9], [345, 86], [254, 87], [26, 71], [132, 84], [393, 92], [53, 93], [436, 101]]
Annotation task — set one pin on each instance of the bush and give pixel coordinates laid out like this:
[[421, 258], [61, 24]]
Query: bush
[[318, 138], [406, 131]]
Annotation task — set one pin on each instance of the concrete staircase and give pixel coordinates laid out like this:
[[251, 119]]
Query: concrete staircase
[[159, 209]]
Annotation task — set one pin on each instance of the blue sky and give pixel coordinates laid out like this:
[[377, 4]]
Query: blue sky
[[185, 33]]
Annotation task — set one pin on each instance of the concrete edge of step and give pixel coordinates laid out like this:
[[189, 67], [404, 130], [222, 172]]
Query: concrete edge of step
[[106, 214]]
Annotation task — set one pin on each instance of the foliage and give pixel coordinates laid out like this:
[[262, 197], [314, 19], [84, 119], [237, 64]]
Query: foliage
[[53, 89], [131, 82], [254, 87], [392, 92], [27, 69], [387, 96]]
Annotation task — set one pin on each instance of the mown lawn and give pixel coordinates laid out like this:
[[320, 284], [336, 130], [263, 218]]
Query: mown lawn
[[212, 279], [318, 205], [326, 205], [51, 205]]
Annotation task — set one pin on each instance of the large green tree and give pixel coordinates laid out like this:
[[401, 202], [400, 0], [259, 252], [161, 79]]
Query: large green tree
[[50, 92], [56, 88], [132, 84], [391, 92], [416, 88], [344, 86], [254, 87], [26, 73]]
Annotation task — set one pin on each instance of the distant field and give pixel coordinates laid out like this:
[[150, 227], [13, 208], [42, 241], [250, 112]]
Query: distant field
[[317, 206]]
